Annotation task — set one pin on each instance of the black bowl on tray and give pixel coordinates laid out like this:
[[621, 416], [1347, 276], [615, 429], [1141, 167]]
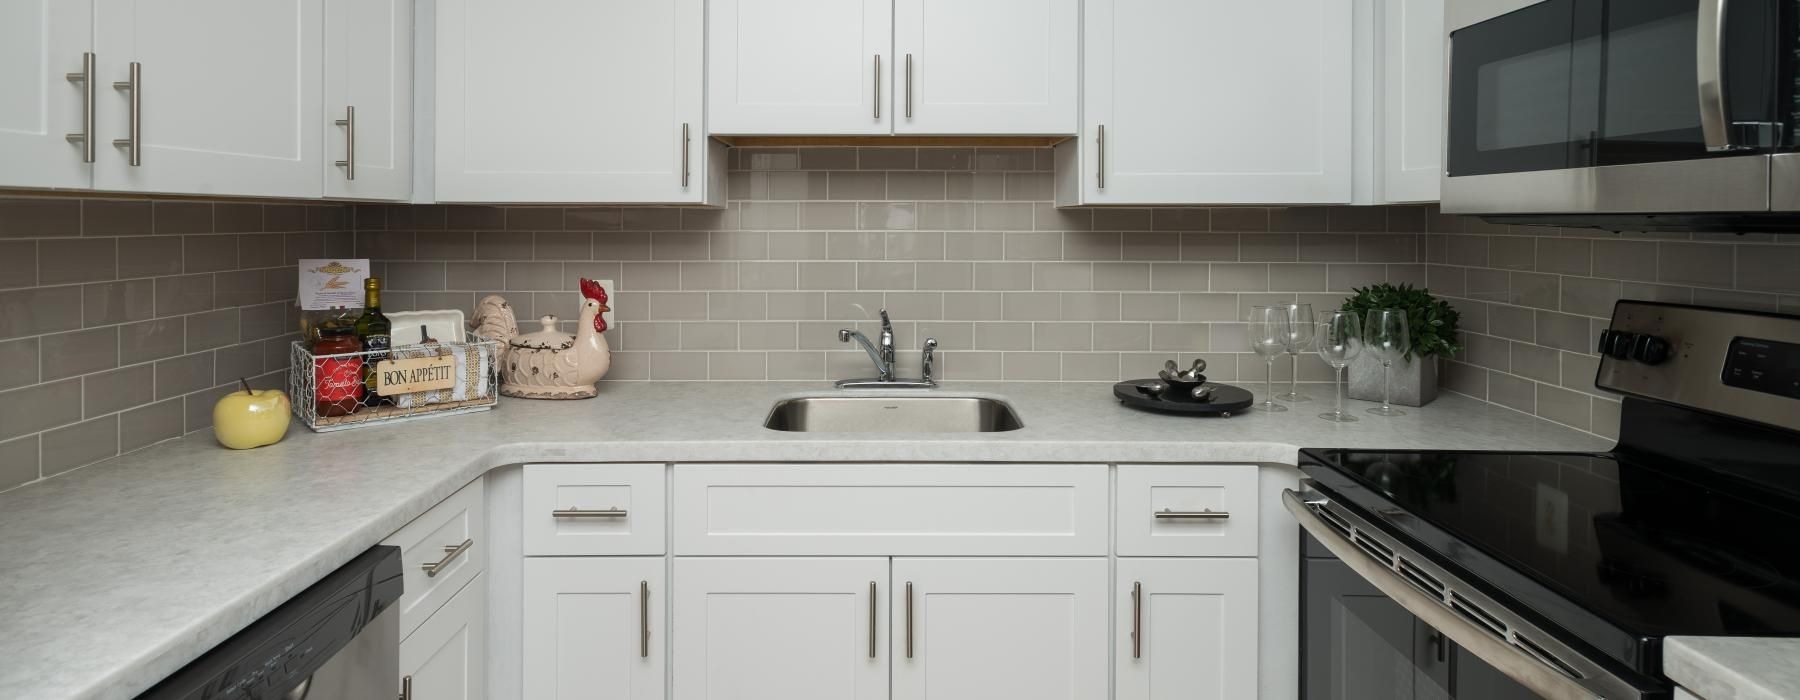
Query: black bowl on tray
[[1180, 397]]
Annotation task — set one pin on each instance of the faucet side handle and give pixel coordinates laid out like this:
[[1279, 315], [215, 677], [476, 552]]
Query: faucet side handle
[[926, 363], [886, 326]]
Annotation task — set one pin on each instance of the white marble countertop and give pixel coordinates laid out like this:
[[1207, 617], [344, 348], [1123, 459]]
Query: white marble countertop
[[116, 575], [1734, 668]]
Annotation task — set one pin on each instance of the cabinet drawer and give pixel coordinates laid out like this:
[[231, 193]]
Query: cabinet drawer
[[894, 509], [594, 509], [1163, 510], [448, 537]]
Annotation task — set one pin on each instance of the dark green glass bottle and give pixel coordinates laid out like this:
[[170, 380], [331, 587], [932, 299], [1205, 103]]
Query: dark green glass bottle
[[374, 331]]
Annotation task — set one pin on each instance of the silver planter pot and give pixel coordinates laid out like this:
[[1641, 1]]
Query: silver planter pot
[[1415, 380]]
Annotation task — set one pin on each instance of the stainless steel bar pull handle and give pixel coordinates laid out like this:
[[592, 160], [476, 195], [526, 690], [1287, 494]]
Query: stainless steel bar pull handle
[[406, 688], [909, 82], [877, 86], [684, 154], [450, 555], [1709, 72], [643, 619], [134, 144], [349, 161], [579, 513], [89, 90], [909, 621], [1137, 619], [871, 619], [1204, 514], [1100, 165]]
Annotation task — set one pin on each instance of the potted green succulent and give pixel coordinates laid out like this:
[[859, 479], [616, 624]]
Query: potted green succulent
[[1431, 323]]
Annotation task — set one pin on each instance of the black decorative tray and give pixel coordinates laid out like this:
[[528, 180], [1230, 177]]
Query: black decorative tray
[[1224, 401]]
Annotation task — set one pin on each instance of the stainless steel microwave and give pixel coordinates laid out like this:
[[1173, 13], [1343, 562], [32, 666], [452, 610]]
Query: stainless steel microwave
[[1624, 114]]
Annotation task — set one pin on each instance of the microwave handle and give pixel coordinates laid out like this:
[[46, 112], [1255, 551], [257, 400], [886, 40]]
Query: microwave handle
[[1709, 69]]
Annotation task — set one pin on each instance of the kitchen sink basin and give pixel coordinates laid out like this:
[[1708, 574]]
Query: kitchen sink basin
[[893, 414]]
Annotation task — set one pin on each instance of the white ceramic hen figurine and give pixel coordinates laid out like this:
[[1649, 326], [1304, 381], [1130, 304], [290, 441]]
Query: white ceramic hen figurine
[[549, 364]]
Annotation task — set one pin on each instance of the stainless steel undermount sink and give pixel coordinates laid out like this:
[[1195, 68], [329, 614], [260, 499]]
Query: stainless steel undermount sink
[[893, 414]]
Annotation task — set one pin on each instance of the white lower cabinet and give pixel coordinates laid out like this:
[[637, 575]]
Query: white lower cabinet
[[969, 629], [446, 657], [1186, 628], [780, 628], [592, 628]]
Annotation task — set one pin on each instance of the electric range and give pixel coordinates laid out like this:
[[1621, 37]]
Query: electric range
[[1565, 571]]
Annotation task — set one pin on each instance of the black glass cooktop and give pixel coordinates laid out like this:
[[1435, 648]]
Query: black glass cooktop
[[1616, 552]]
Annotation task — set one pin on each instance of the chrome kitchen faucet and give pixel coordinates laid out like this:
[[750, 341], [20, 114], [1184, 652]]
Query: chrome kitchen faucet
[[882, 354]]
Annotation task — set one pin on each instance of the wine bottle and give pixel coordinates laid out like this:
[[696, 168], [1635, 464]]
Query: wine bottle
[[373, 329]]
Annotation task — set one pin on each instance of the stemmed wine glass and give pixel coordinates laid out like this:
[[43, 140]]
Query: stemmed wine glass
[[1387, 336], [1268, 337], [1340, 341], [1298, 340]]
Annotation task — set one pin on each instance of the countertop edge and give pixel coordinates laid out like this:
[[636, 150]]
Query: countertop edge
[[1734, 668]]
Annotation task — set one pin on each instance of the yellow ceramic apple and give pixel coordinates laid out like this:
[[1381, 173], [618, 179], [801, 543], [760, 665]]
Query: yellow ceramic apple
[[246, 419]]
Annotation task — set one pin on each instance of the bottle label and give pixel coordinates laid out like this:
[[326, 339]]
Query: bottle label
[[338, 379], [377, 345]]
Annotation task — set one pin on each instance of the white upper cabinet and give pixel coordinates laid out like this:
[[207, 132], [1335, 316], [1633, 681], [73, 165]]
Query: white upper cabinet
[[368, 87], [43, 42], [572, 101], [226, 99], [799, 66], [1212, 102], [876, 67], [1412, 99], [986, 66]]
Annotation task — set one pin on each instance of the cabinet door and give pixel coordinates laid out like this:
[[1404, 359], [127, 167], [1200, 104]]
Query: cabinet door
[[1358, 643], [986, 66], [368, 85], [1216, 101], [781, 629], [592, 628], [800, 66], [256, 61], [41, 43], [570, 101], [970, 629], [1412, 94], [1186, 628], [446, 658]]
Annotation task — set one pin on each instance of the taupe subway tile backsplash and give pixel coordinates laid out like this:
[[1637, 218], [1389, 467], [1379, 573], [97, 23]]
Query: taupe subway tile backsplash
[[123, 320], [957, 243]]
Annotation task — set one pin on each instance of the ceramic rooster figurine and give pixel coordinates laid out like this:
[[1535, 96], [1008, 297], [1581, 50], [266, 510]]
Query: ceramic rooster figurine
[[549, 364]]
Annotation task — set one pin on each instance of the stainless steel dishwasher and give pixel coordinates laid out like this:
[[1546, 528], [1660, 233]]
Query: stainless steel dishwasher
[[337, 640]]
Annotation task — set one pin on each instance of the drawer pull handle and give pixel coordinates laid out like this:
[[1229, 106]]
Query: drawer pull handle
[[579, 513], [1206, 514], [450, 555]]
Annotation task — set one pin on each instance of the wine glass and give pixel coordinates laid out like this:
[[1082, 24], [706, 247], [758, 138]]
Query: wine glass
[[1340, 341], [1268, 337], [1298, 340], [1387, 336]]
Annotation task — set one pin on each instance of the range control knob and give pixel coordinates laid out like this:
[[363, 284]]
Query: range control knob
[[1616, 344], [1650, 349]]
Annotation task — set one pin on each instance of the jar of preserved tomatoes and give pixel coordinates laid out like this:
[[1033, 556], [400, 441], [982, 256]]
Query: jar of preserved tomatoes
[[337, 381]]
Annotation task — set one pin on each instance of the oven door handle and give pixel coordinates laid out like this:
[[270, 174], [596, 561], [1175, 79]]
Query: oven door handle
[[1517, 665], [1709, 73]]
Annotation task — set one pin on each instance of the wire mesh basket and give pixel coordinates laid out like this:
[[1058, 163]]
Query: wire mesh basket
[[325, 401]]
